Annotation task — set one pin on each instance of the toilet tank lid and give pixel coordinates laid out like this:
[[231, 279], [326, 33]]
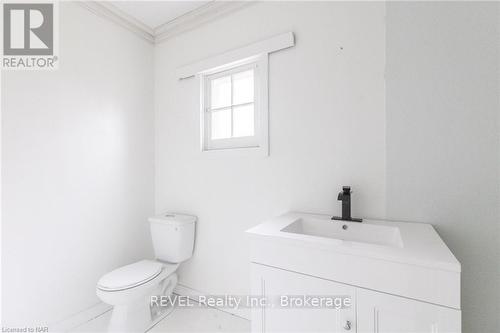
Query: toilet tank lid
[[173, 218]]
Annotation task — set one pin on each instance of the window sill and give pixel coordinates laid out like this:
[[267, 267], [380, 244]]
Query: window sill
[[237, 151]]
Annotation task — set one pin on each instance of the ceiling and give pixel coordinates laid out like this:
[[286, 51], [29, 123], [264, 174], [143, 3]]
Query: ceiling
[[155, 13]]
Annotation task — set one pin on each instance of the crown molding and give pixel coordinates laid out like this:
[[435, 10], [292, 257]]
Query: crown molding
[[117, 16], [189, 21], [197, 17]]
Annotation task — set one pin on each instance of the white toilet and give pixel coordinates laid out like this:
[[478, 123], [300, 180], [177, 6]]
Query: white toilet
[[129, 288]]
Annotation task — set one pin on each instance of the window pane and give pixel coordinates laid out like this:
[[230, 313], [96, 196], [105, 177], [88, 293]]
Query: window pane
[[220, 92], [243, 87], [221, 124], [243, 121]]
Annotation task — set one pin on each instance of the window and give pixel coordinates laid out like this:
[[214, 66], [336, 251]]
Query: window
[[232, 112], [234, 95]]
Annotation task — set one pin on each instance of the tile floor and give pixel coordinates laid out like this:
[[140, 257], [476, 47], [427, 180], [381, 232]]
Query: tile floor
[[193, 320]]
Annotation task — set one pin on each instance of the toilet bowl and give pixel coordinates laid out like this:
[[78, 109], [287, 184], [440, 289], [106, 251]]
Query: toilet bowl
[[129, 288]]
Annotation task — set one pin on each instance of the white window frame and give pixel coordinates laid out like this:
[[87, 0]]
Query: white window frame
[[256, 51], [260, 140]]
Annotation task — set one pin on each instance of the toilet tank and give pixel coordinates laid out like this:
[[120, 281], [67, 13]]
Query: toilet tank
[[173, 236]]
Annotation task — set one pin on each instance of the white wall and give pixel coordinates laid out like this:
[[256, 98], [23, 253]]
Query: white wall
[[77, 168], [434, 157], [326, 130], [443, 137]]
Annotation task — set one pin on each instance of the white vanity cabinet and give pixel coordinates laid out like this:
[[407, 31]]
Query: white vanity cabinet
[[273, 283], [379, 313], [399, 276], [369, 311]]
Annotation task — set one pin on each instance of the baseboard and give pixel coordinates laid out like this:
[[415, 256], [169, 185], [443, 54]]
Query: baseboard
[[80, 318], [193, 294]]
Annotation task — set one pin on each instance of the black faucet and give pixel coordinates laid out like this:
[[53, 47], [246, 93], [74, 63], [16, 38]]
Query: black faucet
[[345, 197]]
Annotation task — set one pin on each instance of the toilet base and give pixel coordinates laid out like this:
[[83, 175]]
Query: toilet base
[[165, 311], [134, 317], [139, 315]]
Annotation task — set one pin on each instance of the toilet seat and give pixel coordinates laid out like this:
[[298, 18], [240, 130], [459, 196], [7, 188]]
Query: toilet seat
[[134, 275], [149, 286]]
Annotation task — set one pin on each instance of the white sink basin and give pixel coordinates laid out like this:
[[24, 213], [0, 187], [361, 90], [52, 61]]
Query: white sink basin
[[408, 243], [346, 231], [399, 258]]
